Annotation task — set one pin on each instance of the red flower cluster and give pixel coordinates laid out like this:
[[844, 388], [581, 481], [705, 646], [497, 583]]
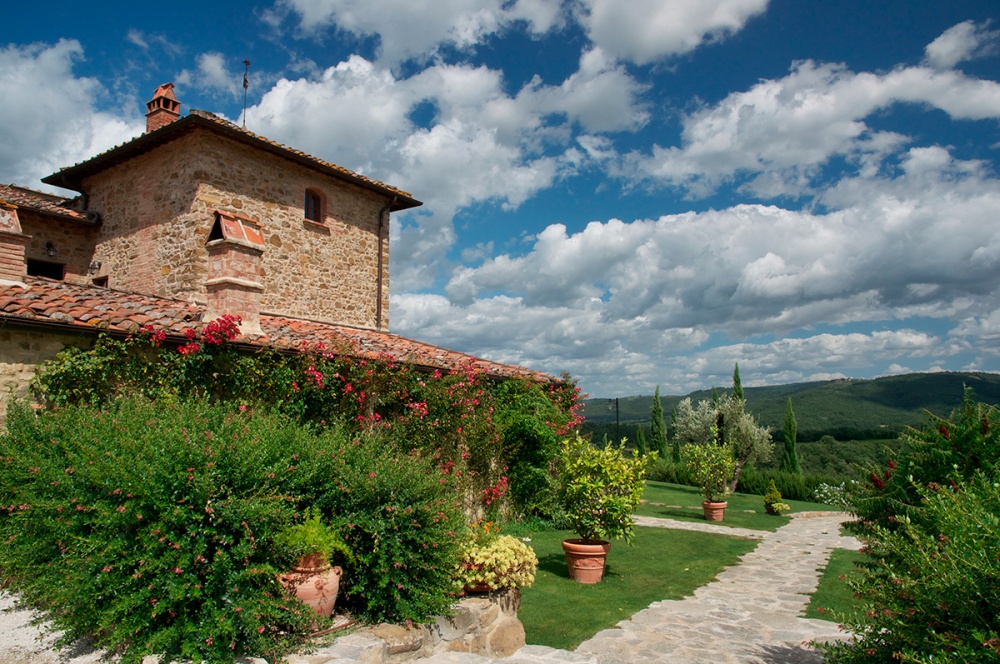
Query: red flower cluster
[[222, 329]]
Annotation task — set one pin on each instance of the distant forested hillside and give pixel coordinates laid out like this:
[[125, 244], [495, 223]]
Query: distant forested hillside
[[844, 409]]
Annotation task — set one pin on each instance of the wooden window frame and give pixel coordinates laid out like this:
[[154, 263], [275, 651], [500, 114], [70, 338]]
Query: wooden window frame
[[312, 207]]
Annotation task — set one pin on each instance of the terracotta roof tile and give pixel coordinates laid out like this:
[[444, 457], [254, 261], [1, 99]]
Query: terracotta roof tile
[[78, 307], [39, 201]]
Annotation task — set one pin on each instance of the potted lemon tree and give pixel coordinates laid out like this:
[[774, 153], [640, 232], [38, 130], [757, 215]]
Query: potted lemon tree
[[600, 489], [712, 467]]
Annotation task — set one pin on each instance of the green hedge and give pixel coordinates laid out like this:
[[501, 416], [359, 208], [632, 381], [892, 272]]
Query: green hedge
[[791, 485], [752, 480], [151, 526]]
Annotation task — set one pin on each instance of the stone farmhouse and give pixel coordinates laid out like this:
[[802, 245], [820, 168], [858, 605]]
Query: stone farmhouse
[[194, 219]]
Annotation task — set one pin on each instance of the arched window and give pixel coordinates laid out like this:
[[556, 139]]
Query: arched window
[[313, 206]]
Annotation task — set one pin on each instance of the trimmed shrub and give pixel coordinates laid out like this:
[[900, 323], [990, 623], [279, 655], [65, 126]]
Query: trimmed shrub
[[152, 527], [772, 501]]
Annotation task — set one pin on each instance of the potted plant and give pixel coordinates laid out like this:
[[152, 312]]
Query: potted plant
[[712, 467], [312, 544], [599, 489], [491, 561]]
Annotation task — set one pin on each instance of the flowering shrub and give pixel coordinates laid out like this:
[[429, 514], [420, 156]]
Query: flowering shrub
[[497, 439], [153, 527], [930, 582], [500, 562]]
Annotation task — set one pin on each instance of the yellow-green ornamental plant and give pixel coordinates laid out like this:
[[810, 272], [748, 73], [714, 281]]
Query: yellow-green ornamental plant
[[772, 501], [600, 488], [503, 562]]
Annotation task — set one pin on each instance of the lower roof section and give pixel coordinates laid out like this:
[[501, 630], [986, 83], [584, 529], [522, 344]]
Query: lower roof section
[[71, 308]]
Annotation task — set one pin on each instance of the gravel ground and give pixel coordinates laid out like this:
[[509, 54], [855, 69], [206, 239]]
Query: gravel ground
[[21, 642]]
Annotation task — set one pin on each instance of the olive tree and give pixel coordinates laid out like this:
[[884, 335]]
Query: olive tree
[[727, 423]]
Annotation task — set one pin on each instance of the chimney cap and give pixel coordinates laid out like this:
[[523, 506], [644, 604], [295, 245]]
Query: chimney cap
[[163, 108], [165, 90]]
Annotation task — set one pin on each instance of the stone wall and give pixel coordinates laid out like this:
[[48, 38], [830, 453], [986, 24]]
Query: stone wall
[[484, 625], [159, 208], [73, 242], [21, 351]]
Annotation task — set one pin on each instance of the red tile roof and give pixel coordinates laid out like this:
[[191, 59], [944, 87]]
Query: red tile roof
[[72, 176], [38, 201], [59, 305]]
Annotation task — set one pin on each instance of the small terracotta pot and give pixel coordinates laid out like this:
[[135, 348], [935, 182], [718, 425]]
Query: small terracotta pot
[[585, 559], [313, 584], [714, 511]]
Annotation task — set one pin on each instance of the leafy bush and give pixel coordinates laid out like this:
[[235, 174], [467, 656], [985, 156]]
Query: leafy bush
[[930, 583], [600, 488], [937, 601], [152, 527], [498, 438]]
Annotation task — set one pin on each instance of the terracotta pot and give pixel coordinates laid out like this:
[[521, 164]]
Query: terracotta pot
[[477, 589], [314, 584], [714, 511], [585, 559]]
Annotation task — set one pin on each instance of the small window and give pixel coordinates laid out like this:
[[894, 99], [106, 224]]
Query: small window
[[46, 269], [100, 281], [314, 206]]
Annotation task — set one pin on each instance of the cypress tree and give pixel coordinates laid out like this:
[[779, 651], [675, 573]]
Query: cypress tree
[[790, 459], [673, 434], [657, 429], [737, 386], [640, 441], [715, 398]]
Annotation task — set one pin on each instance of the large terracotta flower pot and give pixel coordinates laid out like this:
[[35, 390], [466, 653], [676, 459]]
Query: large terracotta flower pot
[[316, 585], [585, 559], [714, 511]]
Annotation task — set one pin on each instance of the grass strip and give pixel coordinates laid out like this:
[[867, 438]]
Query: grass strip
[[662, 564], [676, 501], [833, 593]]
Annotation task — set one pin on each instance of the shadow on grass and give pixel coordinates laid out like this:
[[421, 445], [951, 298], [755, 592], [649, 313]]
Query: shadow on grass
[[554, 564], [782, 654]]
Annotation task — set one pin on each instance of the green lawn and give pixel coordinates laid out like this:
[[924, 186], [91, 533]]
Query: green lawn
[[676, 501], [662, 564], [833, 593]]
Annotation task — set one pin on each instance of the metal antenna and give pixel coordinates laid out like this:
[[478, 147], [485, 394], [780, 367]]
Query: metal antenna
[[246, 84]]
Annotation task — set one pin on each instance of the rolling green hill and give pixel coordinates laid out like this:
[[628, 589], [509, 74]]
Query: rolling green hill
[[846, 409]]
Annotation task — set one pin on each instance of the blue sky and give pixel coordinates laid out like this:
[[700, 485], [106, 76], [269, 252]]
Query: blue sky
[[638, 193]]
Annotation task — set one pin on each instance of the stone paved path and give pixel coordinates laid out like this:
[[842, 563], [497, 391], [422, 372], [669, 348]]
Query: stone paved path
[[750, 615]]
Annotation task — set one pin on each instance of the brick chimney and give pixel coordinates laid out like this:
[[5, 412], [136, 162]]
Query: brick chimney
[[12, 242], [235, 247], [163, 108]]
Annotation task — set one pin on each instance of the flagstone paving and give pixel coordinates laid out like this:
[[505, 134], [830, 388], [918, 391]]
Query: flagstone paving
[[750, 615]]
